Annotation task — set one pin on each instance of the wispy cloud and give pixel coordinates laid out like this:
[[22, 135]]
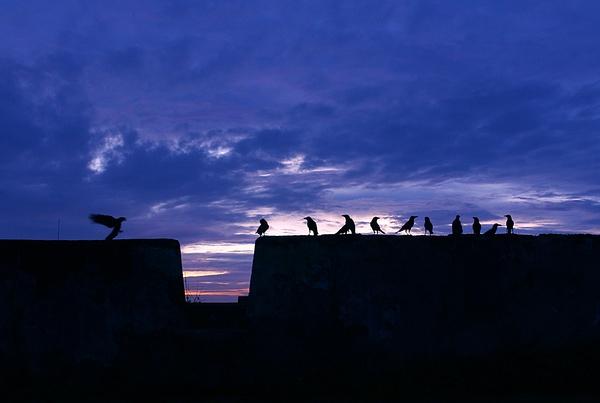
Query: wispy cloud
[[218, 248], [110, 150], [203, 273]]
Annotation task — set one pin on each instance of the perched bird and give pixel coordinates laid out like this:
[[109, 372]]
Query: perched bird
[[428, 226], [476, 226], [375, 226], [492, 231], [348, 226], [312, 225], [408, 225], [263, 227], [509, 224], [457, 226], [110, 222]]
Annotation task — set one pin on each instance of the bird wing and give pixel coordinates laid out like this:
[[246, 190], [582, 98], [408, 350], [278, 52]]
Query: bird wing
[[103, 219]]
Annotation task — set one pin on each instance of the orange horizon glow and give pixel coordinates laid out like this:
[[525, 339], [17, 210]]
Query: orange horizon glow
[[203, 273], [237, 292]]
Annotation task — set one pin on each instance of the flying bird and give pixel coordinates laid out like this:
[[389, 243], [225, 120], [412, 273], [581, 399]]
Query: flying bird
[[492, 231], [457, 226], [509, 224], [428, 226], [348, 226], [408, 225], [110, 222], [263, 227], [375, 226], [476, 226], [312, 225]]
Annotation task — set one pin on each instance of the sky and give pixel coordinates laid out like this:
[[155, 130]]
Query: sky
[[196, 119]]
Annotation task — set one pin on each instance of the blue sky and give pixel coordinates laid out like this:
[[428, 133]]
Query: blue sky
[[195, 119]]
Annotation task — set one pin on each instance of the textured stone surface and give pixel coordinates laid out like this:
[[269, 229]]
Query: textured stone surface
[[65, 303], [432, 297]]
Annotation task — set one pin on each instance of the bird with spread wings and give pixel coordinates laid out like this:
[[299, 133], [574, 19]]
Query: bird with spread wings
[[110, 222]]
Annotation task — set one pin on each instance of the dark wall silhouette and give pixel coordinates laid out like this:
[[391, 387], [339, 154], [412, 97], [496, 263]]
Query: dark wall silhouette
[[427, 297], [63, 302]]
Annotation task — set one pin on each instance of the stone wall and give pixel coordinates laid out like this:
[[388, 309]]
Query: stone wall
[[431, 297], [75, 303]]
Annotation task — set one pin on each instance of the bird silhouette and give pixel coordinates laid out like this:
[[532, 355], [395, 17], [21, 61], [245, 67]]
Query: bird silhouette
[[263, 227], [428, 226], [476, 226], [408, 225], [348, 226], [510, 224], [312, 225], [110, 222], [375, 226], [492, 231], [457, 228]]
